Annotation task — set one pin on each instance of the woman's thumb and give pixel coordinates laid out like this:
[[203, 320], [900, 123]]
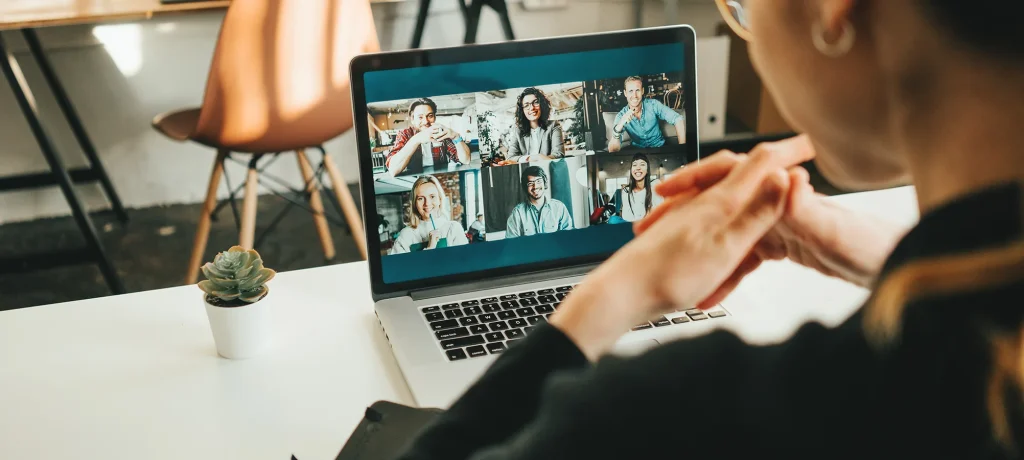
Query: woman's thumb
[[763, 210]]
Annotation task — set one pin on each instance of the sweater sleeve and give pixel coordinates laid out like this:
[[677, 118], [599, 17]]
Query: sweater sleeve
[[540, 401]]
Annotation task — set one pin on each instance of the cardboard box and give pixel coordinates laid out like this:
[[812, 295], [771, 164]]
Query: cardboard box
[[748, 101]]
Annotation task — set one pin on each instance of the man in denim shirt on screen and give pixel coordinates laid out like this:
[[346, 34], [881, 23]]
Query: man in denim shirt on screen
[[642, 118], [539, 214]]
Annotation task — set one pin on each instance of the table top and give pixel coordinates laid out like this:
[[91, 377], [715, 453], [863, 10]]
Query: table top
[[137, 375], [19, 14]]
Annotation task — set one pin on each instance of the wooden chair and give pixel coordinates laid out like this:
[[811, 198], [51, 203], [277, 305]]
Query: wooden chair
[[278, 82]]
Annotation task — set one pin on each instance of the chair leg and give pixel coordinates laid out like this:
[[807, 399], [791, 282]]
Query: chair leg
[[348, 205], [247, 234], [316, 203], [203, 229]]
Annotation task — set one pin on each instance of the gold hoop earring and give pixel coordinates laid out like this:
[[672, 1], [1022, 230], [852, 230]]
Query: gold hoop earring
[[841, 46]]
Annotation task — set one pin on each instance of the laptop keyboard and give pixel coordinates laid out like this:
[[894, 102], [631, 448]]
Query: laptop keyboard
[[487, 326]]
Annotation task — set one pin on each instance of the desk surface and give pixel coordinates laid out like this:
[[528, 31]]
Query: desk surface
[[137, 376], [19, 14]]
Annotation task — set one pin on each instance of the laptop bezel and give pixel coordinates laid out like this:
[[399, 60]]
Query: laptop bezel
[[362, 64]]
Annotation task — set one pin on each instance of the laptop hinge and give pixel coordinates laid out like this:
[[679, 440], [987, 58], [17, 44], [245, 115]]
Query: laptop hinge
[[483, 285]]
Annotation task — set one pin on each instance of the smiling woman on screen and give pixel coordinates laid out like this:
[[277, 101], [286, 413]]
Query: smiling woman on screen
[[430, 225], [926, 92]]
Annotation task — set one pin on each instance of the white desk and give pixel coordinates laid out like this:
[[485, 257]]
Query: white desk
[[136, 376]]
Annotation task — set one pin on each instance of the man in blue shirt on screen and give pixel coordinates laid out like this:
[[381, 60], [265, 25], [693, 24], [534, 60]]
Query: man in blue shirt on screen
[[642, 118], [539, 214]]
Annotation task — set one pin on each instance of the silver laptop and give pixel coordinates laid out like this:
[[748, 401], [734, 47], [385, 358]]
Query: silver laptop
[[494, 177]]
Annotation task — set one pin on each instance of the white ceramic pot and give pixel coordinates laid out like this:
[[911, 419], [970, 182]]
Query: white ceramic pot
[[241, 332]]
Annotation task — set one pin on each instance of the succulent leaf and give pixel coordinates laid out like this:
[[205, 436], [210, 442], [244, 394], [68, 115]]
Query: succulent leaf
[[236, 274]]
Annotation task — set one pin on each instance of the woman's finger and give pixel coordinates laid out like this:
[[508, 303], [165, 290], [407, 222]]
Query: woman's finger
[[745, 268], [757, 216], [659, 211], [701, 175]]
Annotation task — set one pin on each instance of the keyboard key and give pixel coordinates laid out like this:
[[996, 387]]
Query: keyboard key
[[510, 305], [453, 314], [449, 306], [476, 351], [494, 336], [514, 334], [455, 355], [563, 289], [528, 329], [716, 314], [511, 342], [528, 301], [518, 322], [662, 322], [462, 342], [545, 291], [507, 314], [561, 295], [547, 299], [698, 317], [478, 329], [547, 315], [472, 310], [498, 326], [508, 297], [446, 324], [468, 321], [693, 311], [681, 320], [527, 294], [452, 333], [470, 303], [545, 308], [534, 319], [435, 316], [556, 305], [492, 307], [524, 312], [488, 317], [495, 348], [642, 326], [489, 300], [431, 309]]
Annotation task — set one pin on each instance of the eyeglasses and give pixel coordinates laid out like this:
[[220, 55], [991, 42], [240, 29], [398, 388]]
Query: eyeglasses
[[735, 14], [534, 103], [536, 183]]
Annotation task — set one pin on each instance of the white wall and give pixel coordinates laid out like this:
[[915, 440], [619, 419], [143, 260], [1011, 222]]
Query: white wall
[[119, 76]]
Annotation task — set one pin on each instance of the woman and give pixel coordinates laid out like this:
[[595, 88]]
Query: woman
[[930, 367], [635, 199], [430, 225], [535, 137]]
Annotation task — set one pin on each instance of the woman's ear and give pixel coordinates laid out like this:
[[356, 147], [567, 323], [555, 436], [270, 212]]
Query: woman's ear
[[833, 14]]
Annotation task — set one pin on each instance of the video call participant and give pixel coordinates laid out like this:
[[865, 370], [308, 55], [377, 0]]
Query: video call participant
[[446, 146], [534, 137], [641, 118], [635, 199], [429, 227], [539, 214], [477, 229]]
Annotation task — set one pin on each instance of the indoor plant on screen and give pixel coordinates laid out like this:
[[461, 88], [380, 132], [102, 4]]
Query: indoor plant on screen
[[234, 292]]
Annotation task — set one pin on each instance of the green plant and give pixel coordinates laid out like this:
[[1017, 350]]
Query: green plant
[[236, 274], [577, 130]]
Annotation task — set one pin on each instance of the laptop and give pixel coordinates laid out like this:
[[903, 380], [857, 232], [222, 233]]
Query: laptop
[[495, 176]]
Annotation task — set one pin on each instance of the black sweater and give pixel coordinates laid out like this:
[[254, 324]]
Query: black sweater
[[824, 393]]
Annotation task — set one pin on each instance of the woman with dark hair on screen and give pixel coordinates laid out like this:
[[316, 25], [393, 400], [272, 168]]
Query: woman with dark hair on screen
[[429, 220], [635, 199], [926, 92], [534, 136]]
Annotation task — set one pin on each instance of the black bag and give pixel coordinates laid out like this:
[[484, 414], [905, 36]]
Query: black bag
[[386, 430]]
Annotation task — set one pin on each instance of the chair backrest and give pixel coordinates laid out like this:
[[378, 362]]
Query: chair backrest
[[279, 78]]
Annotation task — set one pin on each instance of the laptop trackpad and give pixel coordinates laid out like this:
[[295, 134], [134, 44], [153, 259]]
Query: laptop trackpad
[[634, 348]]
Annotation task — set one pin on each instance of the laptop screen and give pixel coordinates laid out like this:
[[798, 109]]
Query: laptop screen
[[520, 161]]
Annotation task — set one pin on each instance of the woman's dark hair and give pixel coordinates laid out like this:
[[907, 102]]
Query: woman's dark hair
[[990, 26], [545, 111], [648, 200]]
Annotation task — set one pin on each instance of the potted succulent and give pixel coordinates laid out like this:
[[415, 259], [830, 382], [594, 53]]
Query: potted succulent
[[233, 291]]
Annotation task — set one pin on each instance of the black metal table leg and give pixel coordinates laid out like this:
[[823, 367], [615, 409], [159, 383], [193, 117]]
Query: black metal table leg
[[506, 22], [421, 22], [26, 101], [74, 121]]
